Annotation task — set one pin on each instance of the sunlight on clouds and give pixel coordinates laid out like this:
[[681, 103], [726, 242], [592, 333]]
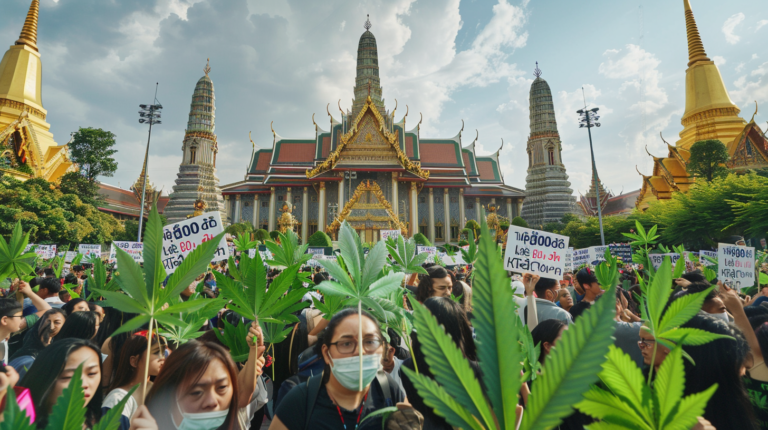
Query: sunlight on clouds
[[719, 61], [729, 26]]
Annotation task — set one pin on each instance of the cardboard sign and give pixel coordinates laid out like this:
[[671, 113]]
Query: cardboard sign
[[710, 254], [134, 249], [181, 238], [736, 264], [46, 252], [533, 251], [89, 251], [385, 234], [431, 250], [657, 259]]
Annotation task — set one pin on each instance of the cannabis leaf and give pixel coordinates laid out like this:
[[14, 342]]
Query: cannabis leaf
[[288, 252]]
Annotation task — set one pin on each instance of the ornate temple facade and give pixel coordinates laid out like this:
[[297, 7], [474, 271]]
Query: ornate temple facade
[[197, 187], [709, 114], [547, 190], [372, 171], [27, 148]]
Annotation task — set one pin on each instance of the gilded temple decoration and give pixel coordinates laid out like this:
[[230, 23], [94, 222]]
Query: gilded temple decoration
[[368, 141], [286, 221], [371, 211]]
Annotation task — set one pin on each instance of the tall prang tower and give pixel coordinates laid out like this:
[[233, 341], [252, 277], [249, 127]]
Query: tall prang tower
[[548, 195], [197, 187], [367, 81]]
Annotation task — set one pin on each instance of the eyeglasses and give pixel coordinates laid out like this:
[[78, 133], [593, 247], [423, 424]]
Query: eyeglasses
[[645, 343], [348, 346]]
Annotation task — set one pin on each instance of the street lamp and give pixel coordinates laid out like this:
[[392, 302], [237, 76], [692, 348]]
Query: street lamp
[[588, 119], [149, 114]]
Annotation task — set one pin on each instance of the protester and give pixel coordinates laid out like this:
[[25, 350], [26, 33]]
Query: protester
[[52, 371], [588, 281], [79, 325], [75, 305], [546, 334], [564, 299], [546, 290], [436, 283], [333, 399], [36, 339], [10, 322]]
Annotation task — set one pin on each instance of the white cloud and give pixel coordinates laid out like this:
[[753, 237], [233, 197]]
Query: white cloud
[[639, 70], [751, 88], [729, 26], [343, 24], [719, 61], [761, 24], [754, 57], [740, 67]]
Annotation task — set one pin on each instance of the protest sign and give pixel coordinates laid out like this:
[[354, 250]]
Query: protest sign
[[89, 250], [657, 259], [538, 252], [389, 233], [69, 256], [46, 252], [580, 256], [181, 238], [316, 250], [251, 253], [431, 250], [568, 267], [597, 254], [134, 249], [621, 250], [736, 264], [710, 254]]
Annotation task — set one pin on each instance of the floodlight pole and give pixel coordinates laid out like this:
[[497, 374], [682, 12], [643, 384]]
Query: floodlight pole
[[586, 118], [151, 114]]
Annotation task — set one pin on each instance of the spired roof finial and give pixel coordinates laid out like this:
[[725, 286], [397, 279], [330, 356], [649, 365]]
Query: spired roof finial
[[367, 24], [207, 68], [28, 34], [537, 72]]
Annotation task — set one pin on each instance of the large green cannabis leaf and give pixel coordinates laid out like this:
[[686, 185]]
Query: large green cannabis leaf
[[13, 260], [404, 254], [243, 242], [288, 252]]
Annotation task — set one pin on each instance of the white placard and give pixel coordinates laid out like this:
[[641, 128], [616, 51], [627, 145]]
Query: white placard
[[181, 238], [710, 254], [533, 251], [316, 251], [134, 249], [89, 251], [69, 256], [431, 250], [657, 259], [597, 254], [568, 267], [736, 264], [580, 256], [46, 252], [389, 233]]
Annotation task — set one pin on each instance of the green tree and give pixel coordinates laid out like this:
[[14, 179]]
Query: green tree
[[319, 239], [239, 228], [261, 235], [520, 222], [91, 149], [77, 184], [707, 159], [472, 225]]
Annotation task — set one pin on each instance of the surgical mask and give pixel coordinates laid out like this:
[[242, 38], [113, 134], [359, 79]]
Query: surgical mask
[[347, 370], [201, 420], [723, 316]]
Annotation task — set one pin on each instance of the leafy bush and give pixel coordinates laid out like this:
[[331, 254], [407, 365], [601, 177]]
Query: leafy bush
[[319, 239], [422, 240], [520, 222], [274, 234], [239, 228], [261, 235]]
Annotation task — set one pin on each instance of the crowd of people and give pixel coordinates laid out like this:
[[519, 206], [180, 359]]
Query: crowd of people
[[315, 378]]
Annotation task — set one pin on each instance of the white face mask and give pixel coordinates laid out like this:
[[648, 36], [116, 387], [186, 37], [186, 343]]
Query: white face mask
[[347, 370], [723, 316], [202, 420]]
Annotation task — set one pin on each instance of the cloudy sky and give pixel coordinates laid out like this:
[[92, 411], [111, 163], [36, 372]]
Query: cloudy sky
[[283, 60]]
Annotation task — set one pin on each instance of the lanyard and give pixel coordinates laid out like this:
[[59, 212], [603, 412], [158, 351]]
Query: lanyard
[[359, 414]]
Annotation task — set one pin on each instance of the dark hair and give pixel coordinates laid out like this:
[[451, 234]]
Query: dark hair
[[757, 321], [696, 276], [113, 319], [719, 362], [9, 306], [38, 336], [41, 378], [326, 336], [79, 325], [77, 268], [543, 285], [395, 341], [424, 290], [53, 285], [586, 276], [69, 307], [453, 318], [70, 279], [188, 363], [318, 278], [133, 346], [546, 331], [761, 332], [49, 273], [697, 287], [755, 311]]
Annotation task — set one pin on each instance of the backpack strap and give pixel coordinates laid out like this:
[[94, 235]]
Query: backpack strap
[[381, 376], [314, 384]]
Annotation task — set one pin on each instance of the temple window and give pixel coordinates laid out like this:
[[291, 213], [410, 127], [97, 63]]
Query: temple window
[[454, 231], [438, 200], [551, 157], [439, 232], [312, 228], [279, 198], [296, 199], [470, 206], [264, 226], [423, 229], [192, 155], [264, 204]]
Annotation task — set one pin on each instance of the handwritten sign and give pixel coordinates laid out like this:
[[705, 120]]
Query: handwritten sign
[[568, 260], [621, 250], [710, 254], [431, 250], [69, 256], [597, 254], [533, 251], [580, 256], [316, 251], [657, 259], [134, 249], [89, 251], [736, 264], [385, 234], [46, 252], [181, 238]]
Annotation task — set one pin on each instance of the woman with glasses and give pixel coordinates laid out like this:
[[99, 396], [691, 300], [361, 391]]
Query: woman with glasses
[[333, 400], [130, 372], [646, 343]]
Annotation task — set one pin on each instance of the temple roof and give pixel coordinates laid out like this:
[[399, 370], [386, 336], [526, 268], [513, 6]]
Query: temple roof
[[120, 201]]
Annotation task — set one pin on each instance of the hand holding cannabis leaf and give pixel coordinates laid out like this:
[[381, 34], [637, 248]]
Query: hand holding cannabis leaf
[[255, 332]]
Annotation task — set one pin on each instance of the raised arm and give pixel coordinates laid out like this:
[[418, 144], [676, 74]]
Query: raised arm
[[246, 379]]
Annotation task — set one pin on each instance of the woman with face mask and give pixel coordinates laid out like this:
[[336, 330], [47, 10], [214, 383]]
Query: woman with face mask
[[333, 400]]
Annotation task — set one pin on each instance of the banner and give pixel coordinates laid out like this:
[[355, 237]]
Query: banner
[[134, 249], [181, 238], [46, 252], [621, 250], [657, 259], [89, 251], [710, 254], [538, 252], [736, 264], [431, 250], [389, 233]]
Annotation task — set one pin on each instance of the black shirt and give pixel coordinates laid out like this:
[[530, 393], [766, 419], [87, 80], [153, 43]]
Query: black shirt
[[579, 308], [292, 410]]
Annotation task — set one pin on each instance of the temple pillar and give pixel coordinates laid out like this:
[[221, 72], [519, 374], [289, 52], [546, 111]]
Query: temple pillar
[[256, 204], [237, 208], [341, 192], [272, 209], [431, 217], [304, 215], [322, 210], [414, 209], [394, 198], [446, 216], [462, 218], [477, 209], [288, 198], [519, 204], [226, 205], [509, 209]]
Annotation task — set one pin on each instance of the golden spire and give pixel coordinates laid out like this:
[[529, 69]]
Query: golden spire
[[695, 47], [29, 31], [207, 68]]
